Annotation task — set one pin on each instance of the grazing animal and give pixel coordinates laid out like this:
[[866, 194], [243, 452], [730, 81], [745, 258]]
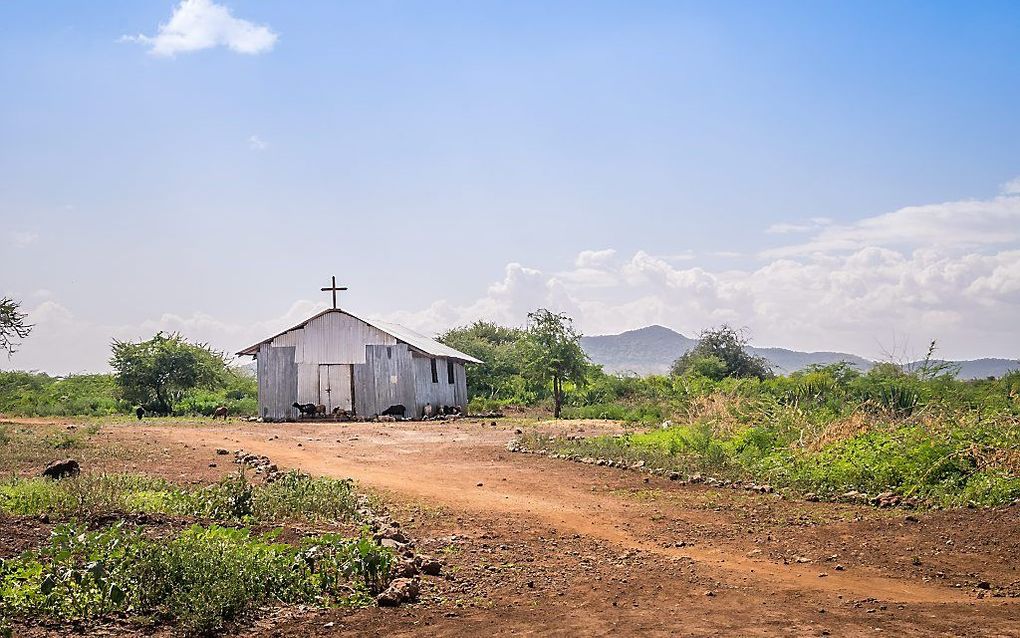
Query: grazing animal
[[139, 412], [220, 413], [428, 411], [395, 410], [320, 409], [62, 469], [306, 409]]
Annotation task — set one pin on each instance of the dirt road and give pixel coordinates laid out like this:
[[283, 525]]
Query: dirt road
[[536, 546]]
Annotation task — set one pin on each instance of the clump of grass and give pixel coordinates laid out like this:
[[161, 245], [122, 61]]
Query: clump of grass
[[294, 496], [199, 579]]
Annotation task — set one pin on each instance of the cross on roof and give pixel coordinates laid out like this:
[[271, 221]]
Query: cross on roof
[[334, 289]]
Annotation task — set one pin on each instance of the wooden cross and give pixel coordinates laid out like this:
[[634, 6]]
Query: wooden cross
[[334, 289]]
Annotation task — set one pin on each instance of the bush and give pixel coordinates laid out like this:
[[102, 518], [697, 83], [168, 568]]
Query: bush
[[199, 579]]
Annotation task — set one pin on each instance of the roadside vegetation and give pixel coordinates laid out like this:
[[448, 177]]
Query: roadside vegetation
[[205, 568], [39, 394], [919, 433]]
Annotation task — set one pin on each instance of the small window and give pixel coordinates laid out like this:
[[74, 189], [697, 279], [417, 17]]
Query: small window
[[389, 353], [435, 373], [449, 372]]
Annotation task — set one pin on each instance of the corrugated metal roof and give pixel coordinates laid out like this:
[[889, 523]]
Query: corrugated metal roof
[[419, 341], [400, 333]]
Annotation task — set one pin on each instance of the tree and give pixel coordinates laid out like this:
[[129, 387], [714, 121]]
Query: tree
[[552, 353], [729, 348], [499, 374], [158, 373], [12, 325]]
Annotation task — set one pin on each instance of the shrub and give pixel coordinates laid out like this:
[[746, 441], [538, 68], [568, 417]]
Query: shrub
[[198, 579]]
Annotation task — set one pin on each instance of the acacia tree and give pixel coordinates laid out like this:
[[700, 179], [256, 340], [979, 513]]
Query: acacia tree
[[158, 373], [721, 352], [13, 325], [553, 353]]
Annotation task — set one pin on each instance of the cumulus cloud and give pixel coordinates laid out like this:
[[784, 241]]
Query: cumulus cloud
[[1012, 187], [947, 271], [203, 24], [960, 224], [256, 143], [851, 302]]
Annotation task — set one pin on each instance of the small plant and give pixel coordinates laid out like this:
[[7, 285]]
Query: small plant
[[198, 579]]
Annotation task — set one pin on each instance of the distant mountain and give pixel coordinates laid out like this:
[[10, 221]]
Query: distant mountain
[[650, 350], [984, 368], [653, 350]]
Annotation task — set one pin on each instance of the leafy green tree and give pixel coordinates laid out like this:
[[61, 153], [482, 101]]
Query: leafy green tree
[[500, 373], [13, 325], [728, 346], [158, 373], [553, 354]]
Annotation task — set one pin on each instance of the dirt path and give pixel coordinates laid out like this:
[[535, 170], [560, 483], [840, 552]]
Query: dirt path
[[550, 547]]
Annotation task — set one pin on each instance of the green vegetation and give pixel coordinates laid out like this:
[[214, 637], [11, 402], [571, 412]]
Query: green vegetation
[[38, 394], [523, 367], [198, 578], [827, 430], [552, 354], [293, 496], [159, 373], [721, 352]]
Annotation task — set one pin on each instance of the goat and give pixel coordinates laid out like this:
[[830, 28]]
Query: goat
[[306, 409], [320, 410], [220, 413], [395, 410], [139, 412], [428, 411]]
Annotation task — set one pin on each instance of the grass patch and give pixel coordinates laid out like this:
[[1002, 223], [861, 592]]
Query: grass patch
[[294, 496], [198, 579], [947, 459]]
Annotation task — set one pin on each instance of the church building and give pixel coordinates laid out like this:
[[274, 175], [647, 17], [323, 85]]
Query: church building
[[361, 366]]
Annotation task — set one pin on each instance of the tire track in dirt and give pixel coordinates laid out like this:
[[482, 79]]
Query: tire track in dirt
[[446, 467]]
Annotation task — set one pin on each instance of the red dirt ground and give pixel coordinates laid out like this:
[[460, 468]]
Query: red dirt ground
[[535, 546]]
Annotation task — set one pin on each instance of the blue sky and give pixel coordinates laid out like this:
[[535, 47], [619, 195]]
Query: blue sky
[[829, 175]]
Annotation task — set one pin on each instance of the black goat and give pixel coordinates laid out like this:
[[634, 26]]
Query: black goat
[[395, 410], [307, 409]]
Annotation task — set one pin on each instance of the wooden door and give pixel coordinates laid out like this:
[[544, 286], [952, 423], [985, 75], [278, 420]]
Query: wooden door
[[335, 388]]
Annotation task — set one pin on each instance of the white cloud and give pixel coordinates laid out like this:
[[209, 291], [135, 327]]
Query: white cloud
[[22, 238], [785, 228], [947, 271], [849, 302], [256, 143], [594, 258], [961, 224], [203, 24]]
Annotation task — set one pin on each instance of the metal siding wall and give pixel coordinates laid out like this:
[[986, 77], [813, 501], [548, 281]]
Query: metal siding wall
[[277, 376], [386, 379], [460, 389], [307, 383], [337, 338], [438, 394]]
